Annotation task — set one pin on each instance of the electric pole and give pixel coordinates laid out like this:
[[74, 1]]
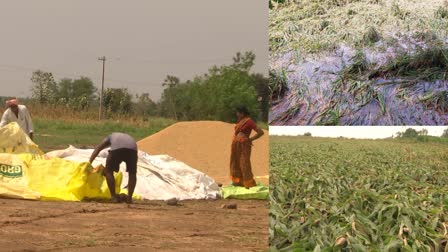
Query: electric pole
[[102, 88]]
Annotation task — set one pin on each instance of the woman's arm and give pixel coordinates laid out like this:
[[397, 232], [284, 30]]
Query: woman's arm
[[260, 133]]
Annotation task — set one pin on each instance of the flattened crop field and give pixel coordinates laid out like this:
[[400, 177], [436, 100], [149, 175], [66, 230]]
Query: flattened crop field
[[358, 195]]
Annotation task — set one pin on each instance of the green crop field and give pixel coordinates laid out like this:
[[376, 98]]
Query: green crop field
[[358, 195]]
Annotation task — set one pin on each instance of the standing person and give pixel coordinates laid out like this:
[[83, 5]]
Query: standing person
[[240, 166], [18, 113], [123, 148]]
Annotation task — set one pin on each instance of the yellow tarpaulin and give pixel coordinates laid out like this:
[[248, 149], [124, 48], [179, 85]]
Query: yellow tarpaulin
[[31, 175], [14, 140]]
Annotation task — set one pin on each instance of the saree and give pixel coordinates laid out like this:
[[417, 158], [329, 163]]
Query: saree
[[240, 166]]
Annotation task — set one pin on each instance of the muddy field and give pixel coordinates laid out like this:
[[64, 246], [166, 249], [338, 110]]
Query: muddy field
[[143, 226]]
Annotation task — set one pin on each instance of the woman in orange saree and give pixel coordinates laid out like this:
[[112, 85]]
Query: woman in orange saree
[[240, 166]]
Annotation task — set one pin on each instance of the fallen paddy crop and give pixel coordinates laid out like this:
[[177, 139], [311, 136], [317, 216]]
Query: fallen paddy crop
[[359, 62]]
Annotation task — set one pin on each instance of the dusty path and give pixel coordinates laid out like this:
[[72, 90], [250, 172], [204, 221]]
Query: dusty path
[[143, 226]]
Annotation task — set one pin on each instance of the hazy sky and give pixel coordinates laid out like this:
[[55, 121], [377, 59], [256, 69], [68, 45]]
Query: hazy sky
[[372, 132], [144, 40]]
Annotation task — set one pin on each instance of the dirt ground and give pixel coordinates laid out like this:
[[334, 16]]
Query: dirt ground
[[144, 226]]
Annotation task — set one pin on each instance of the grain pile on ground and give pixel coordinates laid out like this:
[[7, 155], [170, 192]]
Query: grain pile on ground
[[205, 145]]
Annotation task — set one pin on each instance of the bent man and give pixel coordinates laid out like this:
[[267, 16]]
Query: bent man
[[18, 113], [123, 148]]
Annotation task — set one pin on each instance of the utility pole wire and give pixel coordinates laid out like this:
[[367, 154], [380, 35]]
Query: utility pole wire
[[102, 88]]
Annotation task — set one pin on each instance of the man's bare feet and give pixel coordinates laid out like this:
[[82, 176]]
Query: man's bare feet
[[115, 199], [129, 199]]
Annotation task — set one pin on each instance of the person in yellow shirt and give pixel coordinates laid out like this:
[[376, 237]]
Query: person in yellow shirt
[[18, 113]]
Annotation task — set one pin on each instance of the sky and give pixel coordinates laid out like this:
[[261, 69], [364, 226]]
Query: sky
[[142, 40], [367, 132]]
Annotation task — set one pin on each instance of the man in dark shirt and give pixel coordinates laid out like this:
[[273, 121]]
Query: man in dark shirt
[[123, 148]]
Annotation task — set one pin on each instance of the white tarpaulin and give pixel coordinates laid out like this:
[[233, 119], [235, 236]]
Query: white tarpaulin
[[159, 177]]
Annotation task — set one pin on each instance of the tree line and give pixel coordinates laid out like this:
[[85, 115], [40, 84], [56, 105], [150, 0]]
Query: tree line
[[211, 96], [421, 135]]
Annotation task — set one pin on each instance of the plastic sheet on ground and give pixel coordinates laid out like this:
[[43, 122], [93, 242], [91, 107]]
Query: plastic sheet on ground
[[14, 140], [26, 174], [33, 176], [159, 177], [237, 192], [67, 175]]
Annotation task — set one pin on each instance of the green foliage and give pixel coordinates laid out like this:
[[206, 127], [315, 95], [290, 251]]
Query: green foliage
[[307, 134], [261, 85], [212, 96], [357, 68], [398, 12], [324, 24], [117, 100], [144, 106], [54, 134], [429, 64], [215, 95], [271, 5], [442, 12], [421, 138], [408, 133], [357, 195], [278, 83], [371, 36], [445, 133], [437, 100], [44, 89], [243, 62], [423, 132], [77, 94]]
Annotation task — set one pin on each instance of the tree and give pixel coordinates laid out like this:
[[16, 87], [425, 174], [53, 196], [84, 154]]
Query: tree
[[171, 82], [423, 132], [117, 100], [65, 92], [244, 62], [145, 106], [84, 87], [307, 134], [261, 86], [445, 133], [44, 88], [215, 95], [408, 133], [77, 94], [230, 88]]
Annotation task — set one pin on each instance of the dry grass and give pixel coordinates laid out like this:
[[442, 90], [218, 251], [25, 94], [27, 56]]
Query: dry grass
[[56, 127], [90, 116]]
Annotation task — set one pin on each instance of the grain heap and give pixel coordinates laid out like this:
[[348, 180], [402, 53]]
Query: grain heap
[[205, 146]]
